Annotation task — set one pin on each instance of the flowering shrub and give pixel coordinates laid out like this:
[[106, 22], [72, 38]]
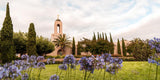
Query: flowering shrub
[[155, 58], [18, 67], [23, 68]]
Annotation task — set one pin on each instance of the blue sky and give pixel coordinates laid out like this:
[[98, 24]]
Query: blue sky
[[123, 18]]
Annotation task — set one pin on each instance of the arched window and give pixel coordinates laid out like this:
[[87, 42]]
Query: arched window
[[58, 28]]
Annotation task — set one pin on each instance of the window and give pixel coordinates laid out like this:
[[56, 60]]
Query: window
[[58, 28]]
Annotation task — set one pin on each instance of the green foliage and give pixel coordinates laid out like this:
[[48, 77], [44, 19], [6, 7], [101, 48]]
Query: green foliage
[[106, 37], [98, 36], [123, 47], [131, 70], [31, 44], [62, 41], [7, 46], [20, 40], [73, 47], [111, 45], [118, 47], [99, 46], [130, 48], [44, 46], [79, 47], [140, 49], [94, 37]]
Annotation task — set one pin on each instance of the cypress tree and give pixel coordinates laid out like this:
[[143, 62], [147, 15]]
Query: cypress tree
[[118, 47], [78, 49], [111, 45], [31, 47], [106, 37], [123, 47], [98, 35], [94, 37], [102, 35], [7, 46], [73, 46]]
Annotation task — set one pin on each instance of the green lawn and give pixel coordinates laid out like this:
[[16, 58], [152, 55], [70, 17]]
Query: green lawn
[[130, 71]]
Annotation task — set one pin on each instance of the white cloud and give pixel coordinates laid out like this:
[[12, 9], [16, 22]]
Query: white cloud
[[83, 17]]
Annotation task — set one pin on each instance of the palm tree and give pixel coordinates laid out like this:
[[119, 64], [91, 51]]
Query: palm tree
[[62, 41]]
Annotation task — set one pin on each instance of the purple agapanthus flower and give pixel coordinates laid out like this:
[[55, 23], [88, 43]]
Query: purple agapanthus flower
[[54, 77], [154, 59], [112, 68], [107, 57], [40, 58], [41, 65], [24, 57], [50, 60], [32, 59], [86, 65], [116, 60], [14, 72], [69, 59], [1, 72], [6, 65], [63, 67], [25, 76], [155, 43]]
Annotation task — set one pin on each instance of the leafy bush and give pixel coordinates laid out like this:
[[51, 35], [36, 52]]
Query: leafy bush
[[140, 49]]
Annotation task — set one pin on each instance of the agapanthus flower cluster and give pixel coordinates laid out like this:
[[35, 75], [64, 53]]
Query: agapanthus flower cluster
[[40, 58], [100, 62], [154, 59], [105, 61], [14, 69], [155, 43], [50, 60], [9, 72], [54, 77], [32, 59], [41, 65], [25, 76], [86, 65], [106, 57], [115, 64], [24, 57], [63, 67], [69, 59]]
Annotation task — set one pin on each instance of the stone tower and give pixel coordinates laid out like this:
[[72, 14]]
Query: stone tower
[[57, 29]]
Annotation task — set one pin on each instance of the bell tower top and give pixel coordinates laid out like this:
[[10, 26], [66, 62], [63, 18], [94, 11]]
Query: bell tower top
[[58, 18], [58, 26]]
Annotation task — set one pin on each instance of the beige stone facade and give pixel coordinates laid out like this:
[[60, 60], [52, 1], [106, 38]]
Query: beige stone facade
[[115, 47], [58, 30]]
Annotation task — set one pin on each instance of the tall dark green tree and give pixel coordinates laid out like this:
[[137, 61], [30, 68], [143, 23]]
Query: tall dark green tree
[[94, 37], [7, 46], [106, 37], [111, 45], [98, 36], [73, 46], [79, 47], [123, 47], [31, 47], [118, 47], [102, 35]]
